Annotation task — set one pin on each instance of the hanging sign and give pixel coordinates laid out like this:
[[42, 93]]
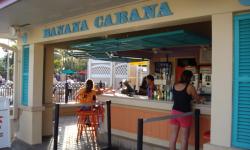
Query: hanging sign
[[117, 18]]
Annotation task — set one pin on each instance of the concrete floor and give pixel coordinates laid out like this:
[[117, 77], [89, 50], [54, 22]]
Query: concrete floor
[[66, 139]]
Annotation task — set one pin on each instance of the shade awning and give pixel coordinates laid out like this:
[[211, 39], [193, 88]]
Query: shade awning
[[104, 49]]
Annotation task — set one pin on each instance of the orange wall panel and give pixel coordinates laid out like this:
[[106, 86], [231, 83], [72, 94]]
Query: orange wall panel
[[124, 118]]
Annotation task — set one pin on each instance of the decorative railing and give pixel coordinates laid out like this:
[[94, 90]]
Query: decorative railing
[[62, 94], [6, 90]]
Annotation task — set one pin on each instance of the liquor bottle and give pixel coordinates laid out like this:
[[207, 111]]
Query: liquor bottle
[[155, 95], [167, 93], [171, 94], [164, 95]]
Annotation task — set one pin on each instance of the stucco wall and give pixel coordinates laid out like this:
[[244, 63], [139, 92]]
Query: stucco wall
[[183, 12]]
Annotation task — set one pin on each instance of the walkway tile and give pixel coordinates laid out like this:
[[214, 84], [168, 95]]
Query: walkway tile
[[66, 139]]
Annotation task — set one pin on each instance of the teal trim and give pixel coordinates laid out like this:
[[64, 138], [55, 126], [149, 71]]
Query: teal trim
[[25, 76], [241, 83], [245, 2], [235, 81], [24, 38]]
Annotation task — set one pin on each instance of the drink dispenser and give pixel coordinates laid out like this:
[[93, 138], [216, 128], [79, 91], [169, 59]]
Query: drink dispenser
[[206, 83], [195, 80], [206, 79]]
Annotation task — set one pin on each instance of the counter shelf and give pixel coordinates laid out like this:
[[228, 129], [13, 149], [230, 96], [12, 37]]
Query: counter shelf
[[144, 102]]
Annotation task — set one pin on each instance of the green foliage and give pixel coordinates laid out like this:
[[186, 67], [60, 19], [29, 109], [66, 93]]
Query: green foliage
[[3, 66], [75, 64], [57, 65], [62, 60]]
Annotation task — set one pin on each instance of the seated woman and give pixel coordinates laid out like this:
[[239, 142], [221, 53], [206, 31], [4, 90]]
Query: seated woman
[[86, 96]]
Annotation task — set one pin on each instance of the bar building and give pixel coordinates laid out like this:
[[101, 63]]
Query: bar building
[[224, 27]]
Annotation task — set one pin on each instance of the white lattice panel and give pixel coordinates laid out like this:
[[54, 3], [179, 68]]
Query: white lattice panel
[[98, 71], [109, 72], [121, 70], [100, 76]]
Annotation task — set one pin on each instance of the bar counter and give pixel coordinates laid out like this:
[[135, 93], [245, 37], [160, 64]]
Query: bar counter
[[144, 102], [126, 110]]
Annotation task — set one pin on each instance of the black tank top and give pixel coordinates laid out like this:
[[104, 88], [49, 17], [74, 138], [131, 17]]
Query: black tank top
[[182, 101]]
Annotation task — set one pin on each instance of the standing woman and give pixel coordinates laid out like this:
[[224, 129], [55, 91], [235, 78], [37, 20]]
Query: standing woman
[[183, 93]]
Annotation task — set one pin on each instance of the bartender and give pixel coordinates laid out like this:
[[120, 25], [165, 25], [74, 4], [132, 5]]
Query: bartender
[[143, 87], [128, 89]]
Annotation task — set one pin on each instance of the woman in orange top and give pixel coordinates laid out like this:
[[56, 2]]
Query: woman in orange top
[[86, 95]]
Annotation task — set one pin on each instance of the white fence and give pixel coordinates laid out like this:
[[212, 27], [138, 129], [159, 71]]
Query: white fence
[[111, 73]]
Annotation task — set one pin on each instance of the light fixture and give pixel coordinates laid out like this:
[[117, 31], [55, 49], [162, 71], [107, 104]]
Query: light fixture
[[155, 50]]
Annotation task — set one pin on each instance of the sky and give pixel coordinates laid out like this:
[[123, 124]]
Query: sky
[[5, 41]]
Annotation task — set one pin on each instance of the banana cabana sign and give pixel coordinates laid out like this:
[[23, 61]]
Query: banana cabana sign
[[117, 18]]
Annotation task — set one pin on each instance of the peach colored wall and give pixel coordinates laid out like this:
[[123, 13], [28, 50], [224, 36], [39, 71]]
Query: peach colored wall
[[160, 130], [183, 12]]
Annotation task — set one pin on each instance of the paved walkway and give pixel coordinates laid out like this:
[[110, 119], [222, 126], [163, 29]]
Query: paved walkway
[[66, 141]]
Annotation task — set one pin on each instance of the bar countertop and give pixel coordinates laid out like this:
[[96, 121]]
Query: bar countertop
[[143, 102]]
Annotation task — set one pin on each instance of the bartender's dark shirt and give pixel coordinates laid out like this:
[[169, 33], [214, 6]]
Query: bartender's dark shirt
[[182, 100]]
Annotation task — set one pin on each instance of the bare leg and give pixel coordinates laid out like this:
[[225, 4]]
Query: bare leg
[[173, 136], [184, 138]]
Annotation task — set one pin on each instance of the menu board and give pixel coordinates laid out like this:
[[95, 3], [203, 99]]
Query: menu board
[[205, 56], [163, 67]]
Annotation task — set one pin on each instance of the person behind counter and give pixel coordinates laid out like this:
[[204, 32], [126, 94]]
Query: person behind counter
[[143, 87], [183, 93], [150, 87], [86, 95], [128, 90]]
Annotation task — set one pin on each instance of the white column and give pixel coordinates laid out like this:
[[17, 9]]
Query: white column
[[30, 117], [222, 71], [89, 69], [112, 77], [16, 80]]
